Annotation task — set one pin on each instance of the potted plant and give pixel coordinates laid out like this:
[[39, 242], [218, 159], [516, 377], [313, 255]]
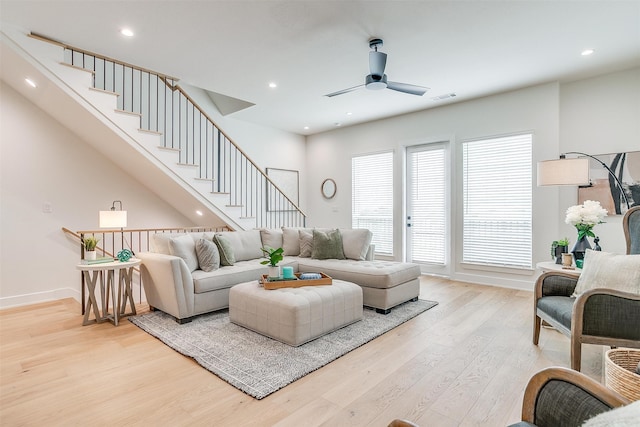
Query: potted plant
[[559, 247], [274, 257], [90, 243]]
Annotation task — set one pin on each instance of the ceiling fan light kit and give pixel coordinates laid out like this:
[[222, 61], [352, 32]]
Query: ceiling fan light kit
[[377, 79]]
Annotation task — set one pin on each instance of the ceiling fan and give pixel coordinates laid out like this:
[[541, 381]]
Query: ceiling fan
[[378, 79]]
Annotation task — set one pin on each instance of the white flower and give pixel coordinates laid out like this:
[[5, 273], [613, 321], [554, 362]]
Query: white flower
[[589, 213]]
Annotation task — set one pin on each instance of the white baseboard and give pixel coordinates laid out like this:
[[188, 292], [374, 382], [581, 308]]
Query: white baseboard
[[501, 282], [34, 298]]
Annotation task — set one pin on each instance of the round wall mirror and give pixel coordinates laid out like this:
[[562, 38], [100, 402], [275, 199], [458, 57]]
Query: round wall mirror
[[328, 188]]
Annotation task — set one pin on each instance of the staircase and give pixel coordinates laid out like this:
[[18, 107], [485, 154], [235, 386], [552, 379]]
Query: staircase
[[158, 125]]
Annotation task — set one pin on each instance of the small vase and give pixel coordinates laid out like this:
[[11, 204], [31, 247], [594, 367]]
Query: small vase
[[90, 255], [274, 272], [580, 248]]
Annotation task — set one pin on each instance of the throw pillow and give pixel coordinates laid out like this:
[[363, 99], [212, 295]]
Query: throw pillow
[[225, 249], [185, 248], [160, 242], [622, 416], [208, 255], [611, 271], [306, 243], [355, 243], [327, 245]]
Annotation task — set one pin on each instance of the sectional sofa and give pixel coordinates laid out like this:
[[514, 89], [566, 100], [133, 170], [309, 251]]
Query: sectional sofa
[[189, 274]]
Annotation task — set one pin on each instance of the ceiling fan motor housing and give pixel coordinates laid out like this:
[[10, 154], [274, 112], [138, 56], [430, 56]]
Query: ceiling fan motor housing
[[374, 82]]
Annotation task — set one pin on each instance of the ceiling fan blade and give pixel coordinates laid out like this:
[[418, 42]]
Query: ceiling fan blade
[[377, 63], [407, 88], [340, 92]]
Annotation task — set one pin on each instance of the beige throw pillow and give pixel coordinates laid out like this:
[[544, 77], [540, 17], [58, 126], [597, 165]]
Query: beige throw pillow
[[610, 271], [290, 241], [271, 237], [306, 243]]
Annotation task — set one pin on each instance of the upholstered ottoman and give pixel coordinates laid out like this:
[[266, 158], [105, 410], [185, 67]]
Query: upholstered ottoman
[[295, 316]]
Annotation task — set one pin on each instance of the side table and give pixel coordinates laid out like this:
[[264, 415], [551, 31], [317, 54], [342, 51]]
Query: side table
[[107, 290], [547, 266]]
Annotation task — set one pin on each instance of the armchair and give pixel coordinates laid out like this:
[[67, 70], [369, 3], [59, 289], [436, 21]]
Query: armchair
[[563, 397], [597, 316]]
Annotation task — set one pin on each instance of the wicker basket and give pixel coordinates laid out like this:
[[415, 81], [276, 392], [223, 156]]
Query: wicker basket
[[620, 372]]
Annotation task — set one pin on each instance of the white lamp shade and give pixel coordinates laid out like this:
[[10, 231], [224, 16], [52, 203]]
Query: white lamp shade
[[113, 219], [563, 172]]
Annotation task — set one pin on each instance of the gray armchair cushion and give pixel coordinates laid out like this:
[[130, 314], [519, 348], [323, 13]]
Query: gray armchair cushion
[[563, 404], [559, 308]]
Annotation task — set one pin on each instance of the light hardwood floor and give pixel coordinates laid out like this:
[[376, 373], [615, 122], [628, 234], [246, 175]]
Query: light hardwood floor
[[463, 363]]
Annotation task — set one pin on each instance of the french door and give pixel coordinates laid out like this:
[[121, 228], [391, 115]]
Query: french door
[[427, 224]]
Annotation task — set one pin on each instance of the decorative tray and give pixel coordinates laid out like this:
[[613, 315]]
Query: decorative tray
[[294, 283]]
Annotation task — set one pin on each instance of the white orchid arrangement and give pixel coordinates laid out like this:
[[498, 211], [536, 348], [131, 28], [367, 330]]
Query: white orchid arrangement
[[585, 216]]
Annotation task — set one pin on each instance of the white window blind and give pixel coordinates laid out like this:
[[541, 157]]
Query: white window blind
[[372, 198], [427, 205], [497, 201]]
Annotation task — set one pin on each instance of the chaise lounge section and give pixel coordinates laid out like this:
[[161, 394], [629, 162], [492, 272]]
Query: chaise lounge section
[[176, 281]]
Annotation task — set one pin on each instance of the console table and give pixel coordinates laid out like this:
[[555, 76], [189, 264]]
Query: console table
[[93, 272]]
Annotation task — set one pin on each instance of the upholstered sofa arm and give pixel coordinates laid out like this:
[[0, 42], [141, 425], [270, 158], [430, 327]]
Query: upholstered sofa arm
[[168, 284], [608, 313], [564, 397], [555, 284]]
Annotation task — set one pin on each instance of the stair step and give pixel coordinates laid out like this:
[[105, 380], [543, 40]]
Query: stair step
[[153, 132], [75, 67], [188, 164], [131, 113], [168, 148], [219, 193], [247, 217], [104, 91], [234, 206], [205, 179]]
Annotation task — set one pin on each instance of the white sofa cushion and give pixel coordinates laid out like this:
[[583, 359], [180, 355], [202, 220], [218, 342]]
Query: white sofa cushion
[[160, 242], [271, 237], [184, 247], [291, 241], [355, 243], [610, 271], [245, 244]]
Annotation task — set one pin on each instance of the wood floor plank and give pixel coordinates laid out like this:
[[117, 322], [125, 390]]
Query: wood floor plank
[[465, 362]]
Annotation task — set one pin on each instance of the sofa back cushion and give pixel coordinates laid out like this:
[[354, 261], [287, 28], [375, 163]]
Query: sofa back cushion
[[160, 242], [184, 247], [355, 243], [271, 237], [245, 244]]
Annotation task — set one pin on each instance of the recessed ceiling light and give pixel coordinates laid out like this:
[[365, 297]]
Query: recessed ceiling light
[[31, 82], [587, 52], [349, 113], [126, 32], [272, 85], [199, 213], [306, 128]]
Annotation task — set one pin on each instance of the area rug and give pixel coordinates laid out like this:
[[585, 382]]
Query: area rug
[[258, 365]]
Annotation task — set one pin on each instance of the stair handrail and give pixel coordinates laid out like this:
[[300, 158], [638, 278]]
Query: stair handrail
[[173, 87]]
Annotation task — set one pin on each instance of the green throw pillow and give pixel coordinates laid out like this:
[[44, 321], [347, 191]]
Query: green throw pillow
[[225, 249], [327, 245]]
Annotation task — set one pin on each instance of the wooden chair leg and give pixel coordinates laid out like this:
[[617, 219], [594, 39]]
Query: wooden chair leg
[[536, 328], [576, 353]]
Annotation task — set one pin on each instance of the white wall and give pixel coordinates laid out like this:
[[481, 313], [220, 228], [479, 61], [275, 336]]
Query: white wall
[[600, 116], [43, 162], [544, 110]]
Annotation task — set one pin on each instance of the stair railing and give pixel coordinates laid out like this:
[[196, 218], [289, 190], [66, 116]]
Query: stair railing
[[167, 110]]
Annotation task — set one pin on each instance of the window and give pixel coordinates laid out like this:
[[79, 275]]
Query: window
[[372, 198], [497, 204]]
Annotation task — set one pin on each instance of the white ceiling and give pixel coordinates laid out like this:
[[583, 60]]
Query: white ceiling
[[311, 48]]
